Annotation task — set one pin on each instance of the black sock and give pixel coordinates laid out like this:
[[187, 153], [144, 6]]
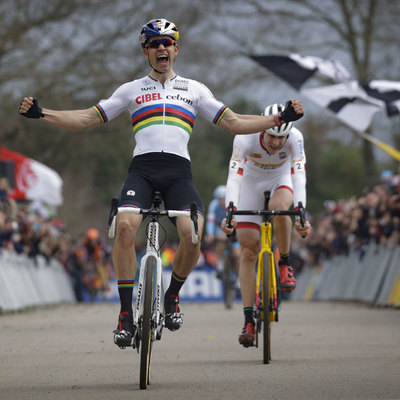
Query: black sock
[[285, 259], [248, 315], [125, 289], [175, 285]]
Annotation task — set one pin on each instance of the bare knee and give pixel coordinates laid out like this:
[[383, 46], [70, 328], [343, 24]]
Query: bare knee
[[249, 255], [279, 204], [249, 245], [188, 248], [282, 199], [126, 232]]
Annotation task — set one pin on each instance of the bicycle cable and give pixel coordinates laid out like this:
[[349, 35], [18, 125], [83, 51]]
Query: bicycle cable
[[163, 238]]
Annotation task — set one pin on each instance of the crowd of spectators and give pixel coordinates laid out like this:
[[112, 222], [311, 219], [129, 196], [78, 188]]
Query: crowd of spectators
[[25, 228], [28, 228], [371, 218]]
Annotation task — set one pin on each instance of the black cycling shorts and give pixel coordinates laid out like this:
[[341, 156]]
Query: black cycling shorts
[[164, 172]]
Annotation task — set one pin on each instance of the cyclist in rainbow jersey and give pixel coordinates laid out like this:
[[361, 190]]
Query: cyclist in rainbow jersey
[[162, 107]]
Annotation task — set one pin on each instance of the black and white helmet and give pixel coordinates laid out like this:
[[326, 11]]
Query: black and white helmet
[[282, 130]]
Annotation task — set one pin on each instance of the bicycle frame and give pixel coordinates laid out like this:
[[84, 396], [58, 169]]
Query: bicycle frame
[[229, 274], [266, 248], [266, 300], [152, 250], [148, 315]]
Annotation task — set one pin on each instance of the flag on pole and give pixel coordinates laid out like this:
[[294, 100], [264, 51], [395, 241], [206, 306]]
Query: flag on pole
[[296, 69], [349, 102], [353, 103], [383, 146], [388, 92], [356, 104], [32, 179]]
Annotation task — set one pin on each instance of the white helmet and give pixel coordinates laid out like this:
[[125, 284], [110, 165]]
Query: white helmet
[[282, 130], [220, 192], [158, 27]]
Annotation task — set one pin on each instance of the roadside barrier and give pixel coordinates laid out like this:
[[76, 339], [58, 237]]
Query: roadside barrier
[[373, 279], [202, 285], [26, 282]]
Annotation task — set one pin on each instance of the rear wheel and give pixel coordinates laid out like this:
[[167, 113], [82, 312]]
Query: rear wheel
[[146, 337], [266, 310]]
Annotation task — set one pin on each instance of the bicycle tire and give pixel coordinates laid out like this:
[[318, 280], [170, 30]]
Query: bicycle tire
[[266, 310], [228, 281], [146, 337]]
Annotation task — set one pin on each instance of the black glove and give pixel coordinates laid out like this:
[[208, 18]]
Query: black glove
[[288, 114], [35, 111]]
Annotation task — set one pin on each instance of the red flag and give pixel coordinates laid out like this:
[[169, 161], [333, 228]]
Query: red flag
[[33, 180]]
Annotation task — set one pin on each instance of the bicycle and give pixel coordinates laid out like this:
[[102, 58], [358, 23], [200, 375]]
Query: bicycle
[[229, 274], [267, 287], [148, 318]]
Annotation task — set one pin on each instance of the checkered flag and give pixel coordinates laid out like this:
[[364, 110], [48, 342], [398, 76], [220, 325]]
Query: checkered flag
[[356, 104], [352, 102], [296, 69]]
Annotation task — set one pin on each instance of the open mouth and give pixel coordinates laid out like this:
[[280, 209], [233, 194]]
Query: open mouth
[[162, 59]]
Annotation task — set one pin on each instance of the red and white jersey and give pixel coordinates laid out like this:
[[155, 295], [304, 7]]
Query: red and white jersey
[[252, 170], [162, 114]]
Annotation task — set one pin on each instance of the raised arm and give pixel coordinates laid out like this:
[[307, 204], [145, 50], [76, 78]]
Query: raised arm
[[71, 119], [244, 124]]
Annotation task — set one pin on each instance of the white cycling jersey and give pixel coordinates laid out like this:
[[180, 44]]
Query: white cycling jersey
[[162, 114], [252, 170]]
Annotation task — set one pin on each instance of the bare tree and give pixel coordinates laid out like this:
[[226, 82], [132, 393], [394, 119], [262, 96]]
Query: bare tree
[[363, 34], [70, 54]]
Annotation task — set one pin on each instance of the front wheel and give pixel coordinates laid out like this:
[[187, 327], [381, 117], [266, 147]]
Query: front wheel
[[146, 336], [266, 310]]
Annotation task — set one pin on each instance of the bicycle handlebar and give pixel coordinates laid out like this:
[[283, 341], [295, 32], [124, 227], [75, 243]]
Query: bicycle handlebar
[[195, 226], [153, 212], [230, 215], [300, 212]]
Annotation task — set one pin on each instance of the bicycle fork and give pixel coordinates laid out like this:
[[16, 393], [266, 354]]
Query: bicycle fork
[[152, 251], [272, 306]]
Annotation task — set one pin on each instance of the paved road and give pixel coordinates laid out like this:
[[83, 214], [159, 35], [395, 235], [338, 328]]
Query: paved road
[[320, 351]]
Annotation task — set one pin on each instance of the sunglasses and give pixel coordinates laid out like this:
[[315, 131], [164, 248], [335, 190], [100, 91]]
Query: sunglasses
[[155, 44]]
